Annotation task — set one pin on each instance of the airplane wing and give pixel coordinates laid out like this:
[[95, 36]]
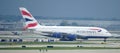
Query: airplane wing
[[60, 34]]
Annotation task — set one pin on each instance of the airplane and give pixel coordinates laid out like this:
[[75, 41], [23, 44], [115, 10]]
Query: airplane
[[63, 32]]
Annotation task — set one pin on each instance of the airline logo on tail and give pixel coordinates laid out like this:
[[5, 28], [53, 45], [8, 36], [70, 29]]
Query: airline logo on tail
[[30, 21]]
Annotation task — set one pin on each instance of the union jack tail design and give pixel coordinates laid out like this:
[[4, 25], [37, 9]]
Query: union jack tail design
[[30, 22]]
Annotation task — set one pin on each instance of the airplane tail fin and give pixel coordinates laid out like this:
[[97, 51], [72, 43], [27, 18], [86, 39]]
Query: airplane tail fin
[[30, 21]]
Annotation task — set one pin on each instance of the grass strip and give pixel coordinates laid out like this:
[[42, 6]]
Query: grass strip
[[56, 48]]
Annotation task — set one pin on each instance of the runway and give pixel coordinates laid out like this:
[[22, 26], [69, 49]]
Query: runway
[[111, 45], [62, 51]]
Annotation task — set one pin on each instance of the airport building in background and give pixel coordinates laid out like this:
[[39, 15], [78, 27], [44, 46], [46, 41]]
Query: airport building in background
[[18, 26]]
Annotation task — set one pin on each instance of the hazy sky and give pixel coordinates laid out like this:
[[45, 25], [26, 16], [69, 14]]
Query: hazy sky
[[63, 8]]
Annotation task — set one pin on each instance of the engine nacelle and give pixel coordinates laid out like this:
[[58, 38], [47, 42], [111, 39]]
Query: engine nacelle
[[67, 37], [57, 35], [71, 37]]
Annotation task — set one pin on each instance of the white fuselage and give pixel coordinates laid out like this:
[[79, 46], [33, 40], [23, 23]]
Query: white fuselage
[[81, 31]]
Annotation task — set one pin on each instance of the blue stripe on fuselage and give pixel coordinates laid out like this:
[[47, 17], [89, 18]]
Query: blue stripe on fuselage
[[96, 37], [85, 37]]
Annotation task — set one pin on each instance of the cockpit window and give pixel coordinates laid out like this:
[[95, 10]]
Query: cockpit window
[[99, 30]]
